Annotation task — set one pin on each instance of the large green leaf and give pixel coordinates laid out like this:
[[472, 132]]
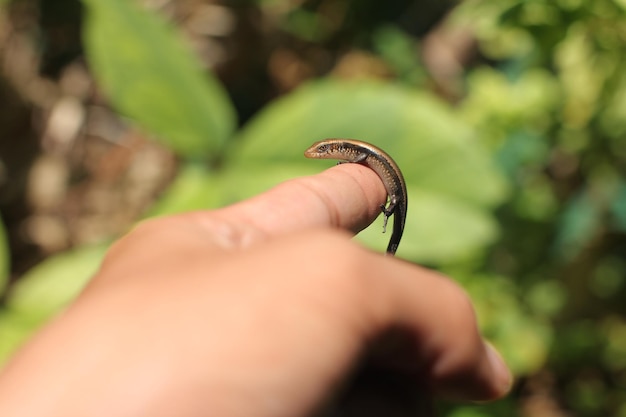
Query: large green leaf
[[14, 330], [192, 189], [439, 229], [451, 179], [150, 77], [435, 150], [43, 292], [51, 285]]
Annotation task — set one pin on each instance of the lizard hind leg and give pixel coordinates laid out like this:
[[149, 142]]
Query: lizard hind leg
[[386, 215], [388, 211]]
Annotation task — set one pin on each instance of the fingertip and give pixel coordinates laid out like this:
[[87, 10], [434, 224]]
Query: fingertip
[[502, 379]]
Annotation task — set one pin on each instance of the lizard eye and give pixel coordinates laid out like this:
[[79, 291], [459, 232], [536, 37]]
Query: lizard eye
[[323, 148]]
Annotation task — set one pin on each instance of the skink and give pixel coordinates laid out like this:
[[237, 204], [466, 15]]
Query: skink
[[356, 151]]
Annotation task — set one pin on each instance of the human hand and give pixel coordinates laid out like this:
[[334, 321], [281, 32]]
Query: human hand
[[258, 309]]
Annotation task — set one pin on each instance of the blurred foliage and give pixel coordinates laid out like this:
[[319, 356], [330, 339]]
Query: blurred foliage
[[44, 291], [516, 182], [552, 110], [154, 80]]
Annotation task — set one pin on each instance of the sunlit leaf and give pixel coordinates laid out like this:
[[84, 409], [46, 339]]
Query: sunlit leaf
[[51, 285], [439, 229], [13, 332], [435, 150], [43, 292], [451, 178], [194, 188], [151, 78]]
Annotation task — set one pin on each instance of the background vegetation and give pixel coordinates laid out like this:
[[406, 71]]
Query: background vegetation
[[508, 118]]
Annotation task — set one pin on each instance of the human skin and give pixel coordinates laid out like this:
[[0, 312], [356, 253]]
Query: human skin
[[259, 309]]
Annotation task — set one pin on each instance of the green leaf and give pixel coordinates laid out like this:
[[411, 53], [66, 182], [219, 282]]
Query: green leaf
[[435, 150], [150, 77], [397, 48], [13, 332], [43, 292], [438, 230], [51, 285], [452, 180], [193, 188]]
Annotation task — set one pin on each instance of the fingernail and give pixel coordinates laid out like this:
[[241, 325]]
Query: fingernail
[[503, 377]]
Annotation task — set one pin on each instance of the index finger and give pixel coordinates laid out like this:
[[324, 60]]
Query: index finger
[[347, 196]]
